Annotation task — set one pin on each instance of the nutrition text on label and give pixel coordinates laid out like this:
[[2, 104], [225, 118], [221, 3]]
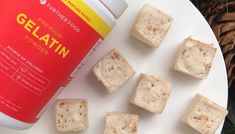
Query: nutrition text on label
[[22, 72]]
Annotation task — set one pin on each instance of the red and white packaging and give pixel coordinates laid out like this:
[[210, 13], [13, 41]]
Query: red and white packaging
[[41, 44]]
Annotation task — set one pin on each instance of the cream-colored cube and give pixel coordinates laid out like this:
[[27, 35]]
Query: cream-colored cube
[[71, 115], [195, 58], [121, 123], [151, 26], [151, 93], [204, 116], [113, 70]]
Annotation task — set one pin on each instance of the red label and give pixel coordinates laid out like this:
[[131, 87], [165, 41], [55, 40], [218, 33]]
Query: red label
[[40, 46]]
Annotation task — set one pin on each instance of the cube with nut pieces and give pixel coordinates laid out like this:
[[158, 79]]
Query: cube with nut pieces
[[113, 70], [71, 115], [151, 26], [151, 93], [121, 123], [195, 58], [204, 116]]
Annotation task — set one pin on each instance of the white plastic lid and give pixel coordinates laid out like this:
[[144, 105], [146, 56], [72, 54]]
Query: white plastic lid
[[116, 7]]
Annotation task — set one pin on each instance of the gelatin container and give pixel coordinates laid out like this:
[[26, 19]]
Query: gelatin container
[[42, 45]]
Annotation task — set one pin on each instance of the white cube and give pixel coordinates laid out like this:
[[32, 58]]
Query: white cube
[[195, 58], [113, 70], [121, 123], [151, 26], [71, 115], [204, 116], [151, 93]]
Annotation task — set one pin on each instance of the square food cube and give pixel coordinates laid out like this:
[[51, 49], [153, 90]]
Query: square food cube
[[113, 70], [121, 123], [204, 116], [195, 58], [151, 26], [151, 93], [71, 115]]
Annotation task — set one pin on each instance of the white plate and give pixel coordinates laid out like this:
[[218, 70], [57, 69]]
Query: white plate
[[187, 22]]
